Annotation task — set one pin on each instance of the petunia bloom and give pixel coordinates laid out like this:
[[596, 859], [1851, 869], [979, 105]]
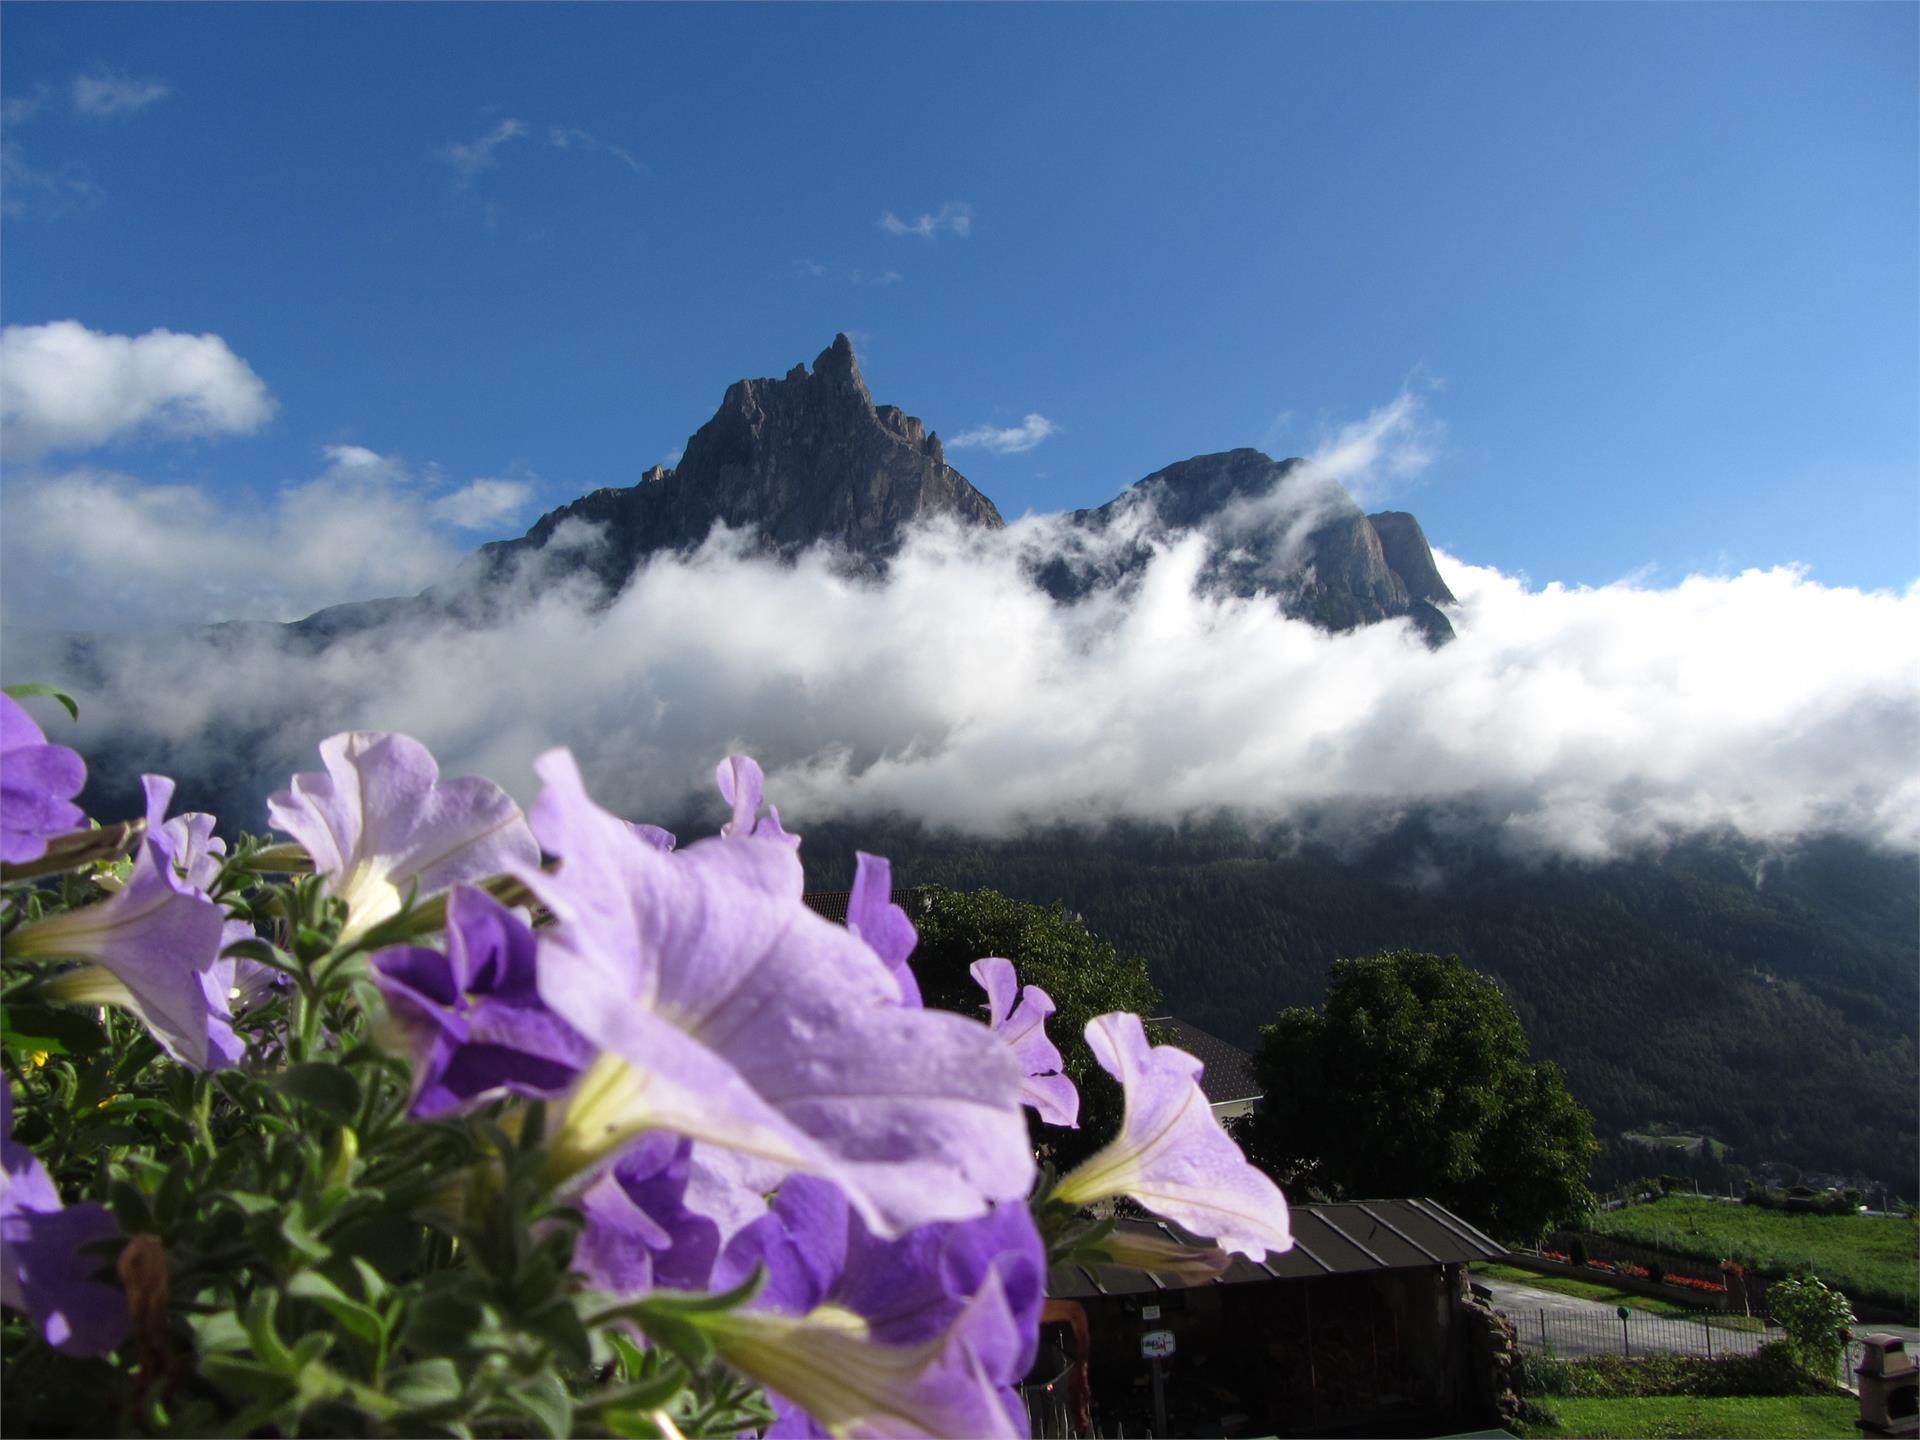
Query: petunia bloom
[[153, 946], [741, 783], [872, 915], [726, 1011], [1022, 1028], [640, 1231], [381, 821], [472, 1014], [43, 1272], [1171, 1154], [37, 784], [841, 1383]]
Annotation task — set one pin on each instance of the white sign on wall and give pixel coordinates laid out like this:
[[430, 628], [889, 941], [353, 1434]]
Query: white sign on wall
[[1156, 1344]]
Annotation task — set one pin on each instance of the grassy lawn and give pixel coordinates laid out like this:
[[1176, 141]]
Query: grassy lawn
[[1863, 1255], [1607, 1295], [1733, 1417]]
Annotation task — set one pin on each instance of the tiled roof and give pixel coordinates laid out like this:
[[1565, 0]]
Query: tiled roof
[[1343, 1238], [1229, 1074]]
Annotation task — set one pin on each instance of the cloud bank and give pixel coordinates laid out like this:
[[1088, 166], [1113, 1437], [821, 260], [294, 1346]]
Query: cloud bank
[[1576, 721], [65, 387]]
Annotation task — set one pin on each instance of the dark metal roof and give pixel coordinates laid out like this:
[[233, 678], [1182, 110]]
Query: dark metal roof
[[1229, 1074], [1343, 1238], [833, 903]]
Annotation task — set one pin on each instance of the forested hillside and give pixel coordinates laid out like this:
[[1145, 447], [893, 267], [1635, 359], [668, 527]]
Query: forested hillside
[[1766, 998]]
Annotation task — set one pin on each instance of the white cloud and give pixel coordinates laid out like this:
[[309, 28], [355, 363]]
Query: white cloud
[[1579, 721], [953, 218], [65, 387], [470, 159], [484, 504], [1012, 440], [882, 280], [96, 549], [103, 93]]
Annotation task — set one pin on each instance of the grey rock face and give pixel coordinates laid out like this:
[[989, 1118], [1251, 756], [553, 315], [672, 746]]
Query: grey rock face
[[1272, 526], [803, 459]]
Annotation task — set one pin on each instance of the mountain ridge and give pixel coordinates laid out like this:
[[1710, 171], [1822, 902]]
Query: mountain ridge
[[810, 458]]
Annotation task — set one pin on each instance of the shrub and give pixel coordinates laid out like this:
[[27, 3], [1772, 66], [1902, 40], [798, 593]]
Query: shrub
[[1814, 1315]]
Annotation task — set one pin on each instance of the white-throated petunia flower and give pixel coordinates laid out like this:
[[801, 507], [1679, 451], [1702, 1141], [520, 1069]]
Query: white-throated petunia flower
[[1022, 1028], [153, 946], [1171, 1154], [380, 822], [726, 1011], [846, 1384]]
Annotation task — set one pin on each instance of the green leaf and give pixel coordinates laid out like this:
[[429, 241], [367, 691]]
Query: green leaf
[[426, 1384], [21, 692], [267, 1344], [558, 1323], [327, 1088], [357, 1319], [246, 1202], [545, 1399], [245, 1377], [298, 1232], [31, 1029]]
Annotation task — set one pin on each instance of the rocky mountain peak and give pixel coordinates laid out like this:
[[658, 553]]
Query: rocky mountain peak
[[799, 460]]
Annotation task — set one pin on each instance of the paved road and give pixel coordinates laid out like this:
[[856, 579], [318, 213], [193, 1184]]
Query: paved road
[[1574, 1328]]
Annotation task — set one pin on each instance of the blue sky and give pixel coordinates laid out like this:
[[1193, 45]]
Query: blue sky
[[1647, 274]]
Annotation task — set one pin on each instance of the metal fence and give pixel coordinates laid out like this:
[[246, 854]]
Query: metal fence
[[1574, 1335]]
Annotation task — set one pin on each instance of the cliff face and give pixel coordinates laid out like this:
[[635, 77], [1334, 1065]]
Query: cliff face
[[802, 459]]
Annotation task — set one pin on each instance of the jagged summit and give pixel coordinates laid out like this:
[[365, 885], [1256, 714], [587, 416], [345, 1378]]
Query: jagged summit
[[1274, 526], [802, 459]]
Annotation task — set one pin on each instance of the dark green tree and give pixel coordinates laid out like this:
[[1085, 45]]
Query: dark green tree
[[1414, 1080], [1081, 973]]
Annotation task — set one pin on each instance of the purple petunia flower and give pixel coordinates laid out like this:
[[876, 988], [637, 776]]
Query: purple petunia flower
[[726, 1011], [380, 821], [872, 915], [1171, 1154], [472, 1014], [741, 783], [152, 946], [826, 1376], [640, 1231], [37, 784], [43, 1272], [1022, 1027]]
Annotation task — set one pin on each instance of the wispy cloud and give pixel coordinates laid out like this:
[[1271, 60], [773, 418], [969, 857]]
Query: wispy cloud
[[1010, 440], [102, 93], [572, 137], [483, 504], [953, 218], [812, 268], [99, 548], [881, 280], [29, 192], [65, 387], [471, 158]]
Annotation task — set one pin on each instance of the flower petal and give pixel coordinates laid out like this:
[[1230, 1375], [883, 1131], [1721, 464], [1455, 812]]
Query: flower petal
[[1171, 1154]]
